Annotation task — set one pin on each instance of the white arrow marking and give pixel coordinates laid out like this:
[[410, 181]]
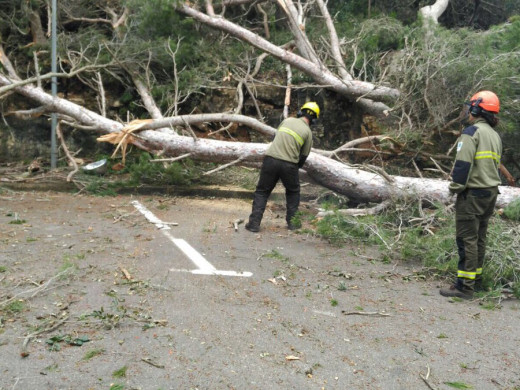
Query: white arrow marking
[[204, 267]]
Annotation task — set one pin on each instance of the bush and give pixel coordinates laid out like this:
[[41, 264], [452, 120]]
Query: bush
[[512, 210], [427, 236]]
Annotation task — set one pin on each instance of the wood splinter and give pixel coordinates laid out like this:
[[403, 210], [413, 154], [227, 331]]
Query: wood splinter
[[237, 222]]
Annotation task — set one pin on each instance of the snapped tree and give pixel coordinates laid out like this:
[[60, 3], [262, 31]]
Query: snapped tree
[[161, 137]]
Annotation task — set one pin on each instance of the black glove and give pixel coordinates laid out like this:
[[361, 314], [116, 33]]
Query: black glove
[[302, 161]]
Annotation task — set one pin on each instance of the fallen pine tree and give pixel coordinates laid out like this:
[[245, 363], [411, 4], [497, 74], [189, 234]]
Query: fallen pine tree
[[158, 137]]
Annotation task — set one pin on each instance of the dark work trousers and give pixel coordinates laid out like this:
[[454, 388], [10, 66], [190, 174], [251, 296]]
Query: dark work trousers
[[272, 171], [473, 209]]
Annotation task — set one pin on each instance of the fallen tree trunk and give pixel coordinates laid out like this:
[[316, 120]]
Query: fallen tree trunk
[[355, 183]]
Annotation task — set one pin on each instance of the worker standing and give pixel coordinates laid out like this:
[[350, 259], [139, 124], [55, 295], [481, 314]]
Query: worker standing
[[475, 180], [283, 159]]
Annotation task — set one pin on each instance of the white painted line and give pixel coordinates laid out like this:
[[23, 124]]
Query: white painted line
[[216, 272], [188, 250], [204, 267], [150, 216]]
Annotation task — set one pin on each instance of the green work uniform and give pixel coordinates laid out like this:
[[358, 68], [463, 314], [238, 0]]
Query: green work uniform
[[293, 141], [475, 178], [286, 154]]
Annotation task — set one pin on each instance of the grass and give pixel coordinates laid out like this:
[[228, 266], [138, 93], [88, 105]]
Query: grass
[[18, 222], [275, 254], [15, 307], [93, 353], [121, 373], [426, 236]]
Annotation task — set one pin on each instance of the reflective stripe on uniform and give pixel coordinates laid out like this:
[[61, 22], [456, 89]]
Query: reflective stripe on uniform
[[293, 134], [466, 275], [487, 154], [479, 271]]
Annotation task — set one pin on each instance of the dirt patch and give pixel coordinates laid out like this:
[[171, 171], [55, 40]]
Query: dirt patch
[[94, 296]]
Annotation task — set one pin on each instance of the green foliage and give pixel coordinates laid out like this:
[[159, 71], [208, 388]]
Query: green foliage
[[427, 237], [120, 373], [17, 222], [93, 353], [437, 72], [275, 254], [458, 385], [101, 187], [15, 307], [157, 19], [138, 171], [144, 171], [512, 210], [339, 229], [55, 341], [381, 34]]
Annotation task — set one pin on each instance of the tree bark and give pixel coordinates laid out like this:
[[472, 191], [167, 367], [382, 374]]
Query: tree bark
[[352, 182]]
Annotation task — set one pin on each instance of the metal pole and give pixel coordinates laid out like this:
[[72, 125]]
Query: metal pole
[[54, 86]]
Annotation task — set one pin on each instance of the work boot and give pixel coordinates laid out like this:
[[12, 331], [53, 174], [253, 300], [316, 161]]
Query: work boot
[[293, 226], [253, 227], [453, 291]]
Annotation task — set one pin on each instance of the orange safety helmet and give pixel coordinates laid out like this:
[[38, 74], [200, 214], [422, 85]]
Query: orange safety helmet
[[484, 100]]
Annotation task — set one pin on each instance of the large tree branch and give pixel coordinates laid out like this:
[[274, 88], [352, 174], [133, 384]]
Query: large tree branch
[[353, 89], [296, 22], [350, 181]]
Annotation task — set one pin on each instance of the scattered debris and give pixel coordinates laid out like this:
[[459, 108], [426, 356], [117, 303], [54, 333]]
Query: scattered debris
[[365, 313], [237, 222], [126, 274], [425, 379], [55, 341], [151, 362], [291, 357]]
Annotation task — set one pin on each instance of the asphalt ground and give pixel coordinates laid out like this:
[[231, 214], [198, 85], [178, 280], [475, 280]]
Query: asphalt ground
[[149, 312]]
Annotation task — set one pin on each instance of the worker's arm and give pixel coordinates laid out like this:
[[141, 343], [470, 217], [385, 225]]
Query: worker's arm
[[305, 150], [510, 179], [466, 149]]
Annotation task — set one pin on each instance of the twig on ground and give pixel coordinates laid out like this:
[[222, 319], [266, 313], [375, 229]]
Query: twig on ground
[[237, 222], [124, 216], [425, 379], [34, 291], [365, 313], [28, 338], [126, 273], [152, 363]]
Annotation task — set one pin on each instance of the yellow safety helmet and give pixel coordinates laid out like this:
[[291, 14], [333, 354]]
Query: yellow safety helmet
[[313, 107]]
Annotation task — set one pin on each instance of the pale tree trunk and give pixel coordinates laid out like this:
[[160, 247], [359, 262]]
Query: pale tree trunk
[[352, 182], [432, 13]]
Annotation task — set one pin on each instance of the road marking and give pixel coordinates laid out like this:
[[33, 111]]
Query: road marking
[[204, 267]]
